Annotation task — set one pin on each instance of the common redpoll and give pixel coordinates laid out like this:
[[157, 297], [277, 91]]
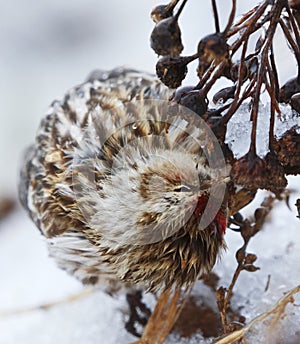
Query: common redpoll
[[127, 188]]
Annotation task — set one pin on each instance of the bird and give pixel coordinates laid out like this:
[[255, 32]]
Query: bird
[[118, 182]]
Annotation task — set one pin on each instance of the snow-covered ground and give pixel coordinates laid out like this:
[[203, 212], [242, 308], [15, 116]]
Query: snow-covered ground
[[47, 47]]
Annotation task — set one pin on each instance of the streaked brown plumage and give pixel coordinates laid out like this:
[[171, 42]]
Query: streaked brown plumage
[[119, 189]]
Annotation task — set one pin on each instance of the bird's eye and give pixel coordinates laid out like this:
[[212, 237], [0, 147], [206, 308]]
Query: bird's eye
[[182, 188]]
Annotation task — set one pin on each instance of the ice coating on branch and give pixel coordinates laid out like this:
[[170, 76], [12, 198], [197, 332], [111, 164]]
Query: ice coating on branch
[[239, 128], [289, 118]]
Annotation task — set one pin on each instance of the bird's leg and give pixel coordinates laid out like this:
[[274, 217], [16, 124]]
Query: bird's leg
[[164, 316], [139, 313]]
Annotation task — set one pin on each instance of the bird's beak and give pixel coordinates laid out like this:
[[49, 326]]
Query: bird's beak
[[224, 180]]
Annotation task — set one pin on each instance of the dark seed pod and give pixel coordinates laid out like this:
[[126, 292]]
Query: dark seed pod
[[294, 4], [290, 88], [240, 255], [166, 38], [259, 173], [161, 12], [277, 181], [172, 70], [288, 151], [249, 69], [195, 102], [224, 94], [250, 258], [250, 170], [212, 47], [295, 102], [181, 92], [251, 268]]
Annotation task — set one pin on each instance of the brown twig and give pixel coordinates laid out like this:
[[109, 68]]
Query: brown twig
[[216, 16], [290, 39], [250, 26], [277, 8], [231, 16], [245, 261], [237, 26], [180, 9], [235, 103]]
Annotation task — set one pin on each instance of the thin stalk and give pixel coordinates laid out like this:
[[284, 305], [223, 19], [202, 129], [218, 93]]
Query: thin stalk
[[216, 16], [231, 17], [180, 9], [234, 104], [291, 41], [277, 8]]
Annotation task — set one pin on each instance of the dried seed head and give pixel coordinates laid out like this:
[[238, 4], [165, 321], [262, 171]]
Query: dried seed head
[[172, 70], [194, 101], [250, 258], [224, 94], [288, 150], [248, 171], [166, 38], [249, 69], [161, 12], [290, 88], [295, 102], [294, 4], [180, 92], [257, 173], [211, 48], [277, 181]]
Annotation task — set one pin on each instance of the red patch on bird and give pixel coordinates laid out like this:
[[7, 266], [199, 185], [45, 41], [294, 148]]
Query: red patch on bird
[[220, 218]]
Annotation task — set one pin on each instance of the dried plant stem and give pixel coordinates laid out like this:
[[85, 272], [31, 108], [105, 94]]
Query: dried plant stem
[[261, 72], [237, 26], [206, 77], [216, 16], [290, 40], [248, 230], [294, 25], [273, 92], [247, 93], [167, 310], [250, 26], [180, 9], [277, 310], [235, 104], [235, 277], [274, 72], [231, 16], [172, 5]]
